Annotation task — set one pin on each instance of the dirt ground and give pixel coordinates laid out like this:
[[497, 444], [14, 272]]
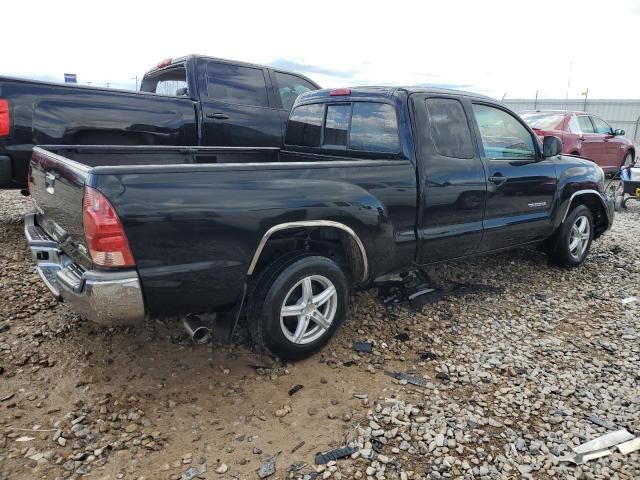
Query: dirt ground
[[521, 349]]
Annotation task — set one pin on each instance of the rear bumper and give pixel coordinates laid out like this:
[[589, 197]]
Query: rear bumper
[[104, 297]]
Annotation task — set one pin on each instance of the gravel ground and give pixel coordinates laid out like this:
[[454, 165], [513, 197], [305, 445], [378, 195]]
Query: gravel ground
[[504, 362]]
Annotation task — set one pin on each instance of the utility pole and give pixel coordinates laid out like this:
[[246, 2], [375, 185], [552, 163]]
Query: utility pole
[[586, 95], [136, 79], [108, 84], [535, 102]]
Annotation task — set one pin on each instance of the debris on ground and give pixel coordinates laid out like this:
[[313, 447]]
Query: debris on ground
[[298, 447], [402, 337], [629, 446], [268, 468], [630, 300], [296, 388], [601, 422], [428, 355], [363, 347], [7, 397], [335, 454], [199, 472], [407, 377], [296, 467], [421, 292], [599, 447]]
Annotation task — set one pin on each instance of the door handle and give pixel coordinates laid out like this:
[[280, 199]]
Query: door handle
[[497, 179], [218, 116]]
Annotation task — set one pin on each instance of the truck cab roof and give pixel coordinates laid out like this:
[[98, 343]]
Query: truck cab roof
[[370, 92]]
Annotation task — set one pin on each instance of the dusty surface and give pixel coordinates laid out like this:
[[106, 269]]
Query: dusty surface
[[510, 370]]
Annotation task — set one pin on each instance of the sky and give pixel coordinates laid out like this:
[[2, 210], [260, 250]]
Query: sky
[[498, 48]]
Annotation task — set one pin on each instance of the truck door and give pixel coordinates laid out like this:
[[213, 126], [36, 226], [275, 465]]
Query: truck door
[[236, 108], [521, 184], [451, 177]]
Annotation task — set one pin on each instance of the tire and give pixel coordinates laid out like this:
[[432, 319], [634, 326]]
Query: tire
[[561, 253], [285, 283]]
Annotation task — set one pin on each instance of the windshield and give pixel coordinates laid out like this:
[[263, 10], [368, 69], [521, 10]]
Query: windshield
[[544, 121]]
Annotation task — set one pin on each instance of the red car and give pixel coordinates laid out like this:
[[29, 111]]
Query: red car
[[585, 135]]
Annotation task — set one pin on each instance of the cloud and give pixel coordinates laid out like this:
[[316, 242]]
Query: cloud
[[304, 68]]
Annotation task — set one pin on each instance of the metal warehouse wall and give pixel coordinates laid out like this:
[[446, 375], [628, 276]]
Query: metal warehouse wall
[[624, 114]]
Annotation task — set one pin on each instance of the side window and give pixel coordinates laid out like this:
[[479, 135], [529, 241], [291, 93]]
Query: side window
[[305, 126], [585, 124], [502, 135], [336, 126], [374, 128], [601, 126], [236, 84], [290, 87], [574, 126], [449, 128]]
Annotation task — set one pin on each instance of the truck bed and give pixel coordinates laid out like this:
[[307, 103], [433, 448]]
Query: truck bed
[[195, 216]]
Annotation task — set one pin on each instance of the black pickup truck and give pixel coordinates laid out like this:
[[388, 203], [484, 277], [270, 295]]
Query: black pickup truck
[[371, 181], [193, 100]]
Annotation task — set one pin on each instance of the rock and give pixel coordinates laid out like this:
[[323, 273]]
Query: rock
[[281, 412], [132, 427], [222, 468]]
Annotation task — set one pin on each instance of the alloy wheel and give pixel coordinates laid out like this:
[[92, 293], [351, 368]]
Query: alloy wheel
[[308, 309], [579, 237]]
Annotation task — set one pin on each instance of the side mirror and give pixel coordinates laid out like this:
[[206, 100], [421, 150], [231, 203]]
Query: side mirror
[[551, 146], [618, 131]]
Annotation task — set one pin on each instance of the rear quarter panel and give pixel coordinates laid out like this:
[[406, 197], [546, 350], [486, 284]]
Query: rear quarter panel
[[193, 230]]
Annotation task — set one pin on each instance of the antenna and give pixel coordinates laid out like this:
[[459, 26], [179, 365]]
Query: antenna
[[566, 97]]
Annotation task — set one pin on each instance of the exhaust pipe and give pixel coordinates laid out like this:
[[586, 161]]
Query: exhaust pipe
[[198, 332]]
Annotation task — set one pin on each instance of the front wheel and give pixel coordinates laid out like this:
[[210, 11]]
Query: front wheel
[[572, 242], [298, 305]]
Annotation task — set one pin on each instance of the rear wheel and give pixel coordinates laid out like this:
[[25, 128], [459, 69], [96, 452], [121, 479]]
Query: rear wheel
[[299, 303], [572, 242]]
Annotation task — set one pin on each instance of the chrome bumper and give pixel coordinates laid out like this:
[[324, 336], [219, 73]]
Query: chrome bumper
[[104, 297]]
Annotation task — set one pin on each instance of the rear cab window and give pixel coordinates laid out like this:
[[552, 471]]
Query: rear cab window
[[449, 128], [360, 126], [170, 81]]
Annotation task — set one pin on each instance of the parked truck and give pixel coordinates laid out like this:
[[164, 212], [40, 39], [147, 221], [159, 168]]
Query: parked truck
[[370, 182], [193, 100]]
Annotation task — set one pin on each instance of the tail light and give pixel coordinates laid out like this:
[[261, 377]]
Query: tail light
[[103, 231], [5, 117], [338, 92]]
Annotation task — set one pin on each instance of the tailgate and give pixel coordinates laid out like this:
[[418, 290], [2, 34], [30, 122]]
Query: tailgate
[[57, 188]]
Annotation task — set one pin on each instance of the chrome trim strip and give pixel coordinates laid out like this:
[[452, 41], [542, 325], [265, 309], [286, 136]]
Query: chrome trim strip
[[582, 192], [231, 166], [311, 223]]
